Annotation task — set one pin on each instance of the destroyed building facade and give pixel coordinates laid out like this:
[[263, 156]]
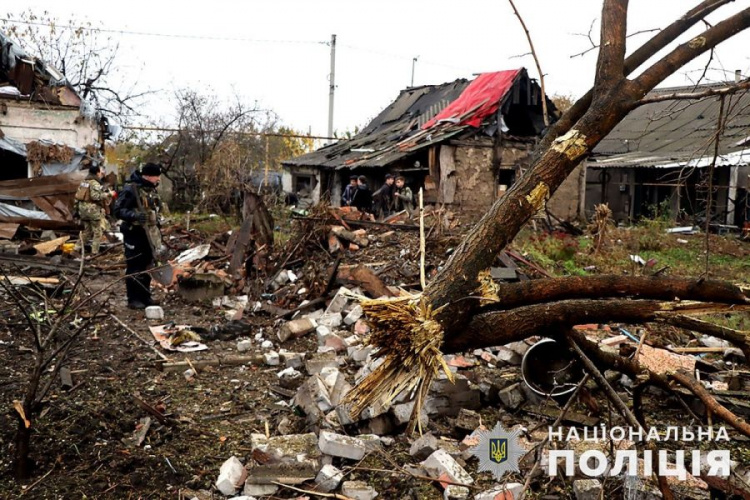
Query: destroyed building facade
[[659, 156], [49, 135], [465, 142]]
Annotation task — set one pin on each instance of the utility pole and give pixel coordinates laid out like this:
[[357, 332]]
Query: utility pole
[[332, 87], [265, 164], [413, 64]]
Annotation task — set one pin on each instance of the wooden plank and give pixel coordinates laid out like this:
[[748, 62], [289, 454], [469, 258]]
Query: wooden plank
[[26, 280], [227, 361], [48, 208], [447, 179], [511, 264], [8, 230], [240, 248], [40, 223], [42, 186], [50, 246], [698, 349], [61, 206]]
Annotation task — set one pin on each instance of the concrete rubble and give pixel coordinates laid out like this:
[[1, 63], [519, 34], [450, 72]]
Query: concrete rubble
[[587, 489], [318, 453], [358, 490], [329, 478], [231, 476]]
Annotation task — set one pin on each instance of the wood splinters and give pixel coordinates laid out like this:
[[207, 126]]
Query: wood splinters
[[19, 408], [572, 144]]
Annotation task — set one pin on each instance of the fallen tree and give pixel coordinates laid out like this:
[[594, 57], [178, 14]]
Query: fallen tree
[[461, 309]]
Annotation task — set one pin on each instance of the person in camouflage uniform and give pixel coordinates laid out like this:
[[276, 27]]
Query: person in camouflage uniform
[[90, 201]]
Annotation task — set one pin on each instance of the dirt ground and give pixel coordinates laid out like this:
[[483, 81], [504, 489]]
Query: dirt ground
[[77, 442]]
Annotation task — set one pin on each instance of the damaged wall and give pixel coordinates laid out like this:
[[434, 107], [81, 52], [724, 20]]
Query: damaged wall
[[28, 121], [294, 179], [567, 202], [475, 179]]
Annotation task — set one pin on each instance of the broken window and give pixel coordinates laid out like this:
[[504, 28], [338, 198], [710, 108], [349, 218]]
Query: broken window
[[505, 179], [303, 184], [12, 166]]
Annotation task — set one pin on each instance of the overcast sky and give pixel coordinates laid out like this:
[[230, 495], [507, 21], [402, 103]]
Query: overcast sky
[[286, 68]]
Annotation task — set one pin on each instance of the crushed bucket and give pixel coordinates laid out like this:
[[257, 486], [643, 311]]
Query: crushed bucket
[[549, 369]]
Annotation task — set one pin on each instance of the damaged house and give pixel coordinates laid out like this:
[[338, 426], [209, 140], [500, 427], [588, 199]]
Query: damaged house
[[49, 135], [465, 142], [660, 154]]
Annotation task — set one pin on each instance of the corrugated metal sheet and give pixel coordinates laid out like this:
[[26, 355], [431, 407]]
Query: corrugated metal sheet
[[677, 132]]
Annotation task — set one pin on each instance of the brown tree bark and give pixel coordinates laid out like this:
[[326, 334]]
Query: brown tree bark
[[502, 327], [454, 307], [512, 295], [635, 60], [635, 371], [611, 102]]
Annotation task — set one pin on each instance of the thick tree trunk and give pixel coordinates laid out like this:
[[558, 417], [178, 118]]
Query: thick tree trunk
[[502, 327], [612, 101], [21, 465], [525, 293], [458, 279]]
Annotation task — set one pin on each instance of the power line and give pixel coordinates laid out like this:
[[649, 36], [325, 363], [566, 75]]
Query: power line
[[164, 35], [223, 39], [254, 134]]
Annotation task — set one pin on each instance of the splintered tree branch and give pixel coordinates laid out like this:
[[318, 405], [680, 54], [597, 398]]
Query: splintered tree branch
[[536, 62], [636, 371], [712, 405]]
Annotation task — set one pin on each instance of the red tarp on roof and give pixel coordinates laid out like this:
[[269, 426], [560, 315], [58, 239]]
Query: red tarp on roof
[[482, 98]]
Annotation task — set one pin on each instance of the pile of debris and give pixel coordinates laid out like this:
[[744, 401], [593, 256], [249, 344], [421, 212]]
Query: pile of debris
[[503, 382]]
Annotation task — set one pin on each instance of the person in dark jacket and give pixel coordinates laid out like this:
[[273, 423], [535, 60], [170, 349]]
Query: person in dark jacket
[[362, 196], [349, 191], [383, 197], [138, 206]]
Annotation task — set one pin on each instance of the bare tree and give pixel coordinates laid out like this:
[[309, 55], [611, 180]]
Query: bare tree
[[84, 54], [54, 329], [457, 312], [220, 149]]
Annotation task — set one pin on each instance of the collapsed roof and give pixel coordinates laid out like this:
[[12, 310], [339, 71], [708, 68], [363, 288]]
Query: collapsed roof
[[25, 75], [427, 115], [676, 133]]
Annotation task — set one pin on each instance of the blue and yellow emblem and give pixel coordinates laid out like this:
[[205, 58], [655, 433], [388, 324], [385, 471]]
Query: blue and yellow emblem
[[498, 451]]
